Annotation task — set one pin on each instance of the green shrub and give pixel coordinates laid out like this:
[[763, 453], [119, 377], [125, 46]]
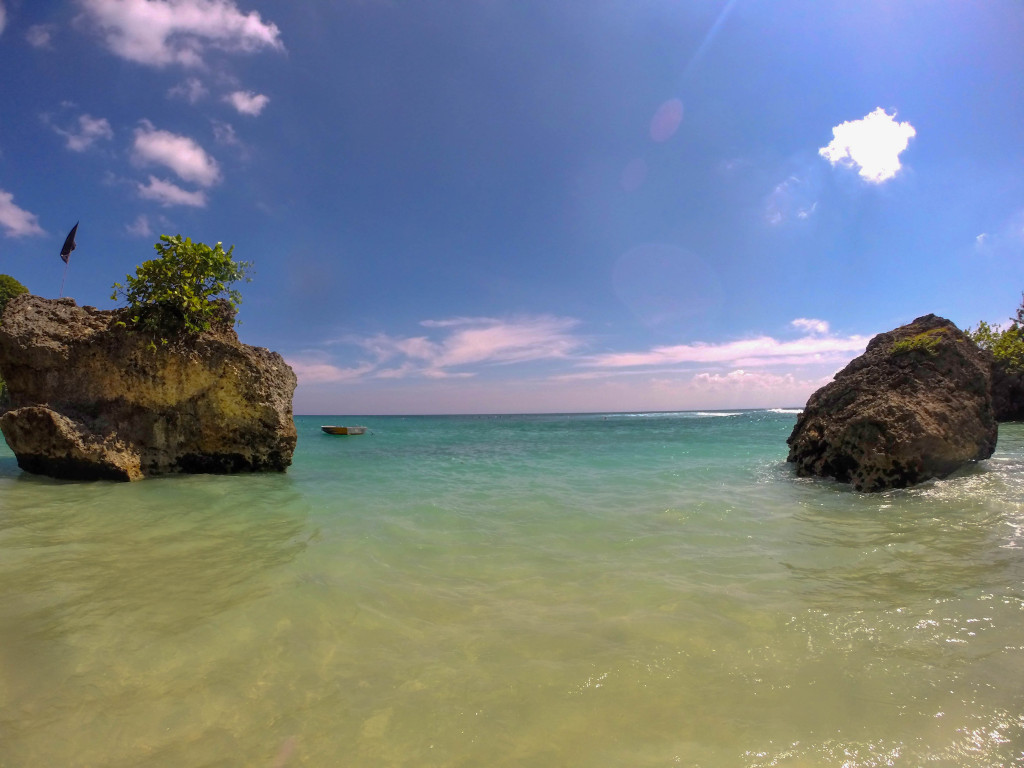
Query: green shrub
[[926, 342], [9, 288], [183, 291], [1005, 344]]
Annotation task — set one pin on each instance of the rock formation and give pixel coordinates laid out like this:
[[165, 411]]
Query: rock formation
[[92, 399], [914, 406]]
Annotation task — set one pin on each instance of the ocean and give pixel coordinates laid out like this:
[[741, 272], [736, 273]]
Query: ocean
[[629, 589]]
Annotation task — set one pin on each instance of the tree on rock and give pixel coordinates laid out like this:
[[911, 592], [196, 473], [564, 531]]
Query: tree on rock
[[1007, 348], [1005, 344], [9, 288], [187, 290]]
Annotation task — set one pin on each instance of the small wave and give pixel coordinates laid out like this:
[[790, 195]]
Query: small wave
[[785, 410], [676, 414]]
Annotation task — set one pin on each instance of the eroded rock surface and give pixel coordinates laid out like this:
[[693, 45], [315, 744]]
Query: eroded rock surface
[[89, 399], [914, 406]]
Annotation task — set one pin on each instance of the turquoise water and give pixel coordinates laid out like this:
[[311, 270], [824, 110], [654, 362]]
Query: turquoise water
[[620, 590]]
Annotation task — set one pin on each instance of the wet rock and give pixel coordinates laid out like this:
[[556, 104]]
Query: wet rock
[[914, 406]]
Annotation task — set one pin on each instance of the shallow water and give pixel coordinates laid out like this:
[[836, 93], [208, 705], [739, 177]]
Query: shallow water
[[620, 590]]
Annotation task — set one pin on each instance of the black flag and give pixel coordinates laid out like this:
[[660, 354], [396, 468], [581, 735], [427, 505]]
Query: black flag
[[69, 244]]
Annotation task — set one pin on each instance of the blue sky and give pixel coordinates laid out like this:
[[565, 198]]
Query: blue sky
[[498, 206]]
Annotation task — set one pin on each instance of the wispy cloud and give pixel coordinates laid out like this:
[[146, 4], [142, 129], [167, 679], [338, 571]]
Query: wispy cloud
[[1005, 239], [3, 17], [167, 193], [140, 227], [872, 144], [224, 133], [40, 35], [463, 347], [88, 131], [759, 351], [452, 348], [191, 90], [747, 384], [181, 154], [313, 369], [793, 198], [159, 33], [810, 325], [17, 222], [469, 364], [247, 102]]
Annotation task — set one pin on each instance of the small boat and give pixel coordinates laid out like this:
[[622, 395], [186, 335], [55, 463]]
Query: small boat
[[331, 430]]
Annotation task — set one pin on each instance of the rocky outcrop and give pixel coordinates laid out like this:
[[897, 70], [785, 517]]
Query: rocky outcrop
[[914, 406], [91, 399]]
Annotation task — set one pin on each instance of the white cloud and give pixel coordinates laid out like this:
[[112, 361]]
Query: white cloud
[[454, 345], [191, 90], [810, 325], [163, 32], [3, 17], [90, 130], [247, 102], [313, 370], [762, 350], [179, 153], [873, 144], [441, 369], [224, 133], [40, 35], [17, 221], [167, 194], [488, 340]]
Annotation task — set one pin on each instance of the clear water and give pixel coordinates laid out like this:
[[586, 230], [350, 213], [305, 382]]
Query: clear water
[[621, 590]]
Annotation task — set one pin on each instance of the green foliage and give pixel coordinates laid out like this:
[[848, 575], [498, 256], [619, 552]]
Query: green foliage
[[1005, 344], [184, 290], [926, 342], [9, 288]]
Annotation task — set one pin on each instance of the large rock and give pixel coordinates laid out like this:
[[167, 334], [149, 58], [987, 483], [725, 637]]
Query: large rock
[[914, 406], [90, 399]]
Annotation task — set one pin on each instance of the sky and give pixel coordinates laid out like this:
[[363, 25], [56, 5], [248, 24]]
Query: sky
[[509, 206]]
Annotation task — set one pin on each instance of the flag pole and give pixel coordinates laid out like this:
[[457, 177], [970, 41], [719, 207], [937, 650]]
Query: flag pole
[[66, 265]]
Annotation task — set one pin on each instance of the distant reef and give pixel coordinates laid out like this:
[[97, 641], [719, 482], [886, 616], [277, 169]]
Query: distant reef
[[91, 399], [916, 405]]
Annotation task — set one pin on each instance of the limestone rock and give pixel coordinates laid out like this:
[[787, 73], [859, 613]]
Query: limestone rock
[[914, 406], [90, 399]]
